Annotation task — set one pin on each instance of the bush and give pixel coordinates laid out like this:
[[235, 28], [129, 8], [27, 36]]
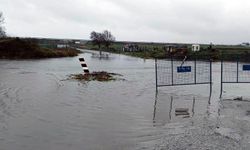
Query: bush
[[28, 48]]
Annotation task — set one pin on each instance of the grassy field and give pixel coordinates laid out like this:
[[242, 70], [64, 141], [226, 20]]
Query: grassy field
[[149, 50], [16, 48], [156, 50]]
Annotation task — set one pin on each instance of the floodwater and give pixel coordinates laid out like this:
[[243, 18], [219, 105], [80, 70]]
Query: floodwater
[[40, 109]]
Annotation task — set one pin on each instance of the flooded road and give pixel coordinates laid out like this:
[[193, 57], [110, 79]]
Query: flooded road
[[40, 109]]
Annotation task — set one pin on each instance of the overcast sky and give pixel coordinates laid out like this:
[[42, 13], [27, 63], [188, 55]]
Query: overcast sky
[[183, 21]]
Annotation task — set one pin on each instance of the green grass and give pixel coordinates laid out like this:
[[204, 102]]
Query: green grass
[[155, 50]]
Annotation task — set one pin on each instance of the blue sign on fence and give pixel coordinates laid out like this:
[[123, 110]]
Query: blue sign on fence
[[246, 68], [181, 69]]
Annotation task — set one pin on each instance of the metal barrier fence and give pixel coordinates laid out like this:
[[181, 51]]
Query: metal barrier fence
[[172, 72], [234, 72]]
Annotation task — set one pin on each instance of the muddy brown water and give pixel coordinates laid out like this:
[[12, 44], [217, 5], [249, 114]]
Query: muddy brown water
[[40, 110]]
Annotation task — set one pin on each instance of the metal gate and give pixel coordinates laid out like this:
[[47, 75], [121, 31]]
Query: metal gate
[[173, 72], [234, 72]]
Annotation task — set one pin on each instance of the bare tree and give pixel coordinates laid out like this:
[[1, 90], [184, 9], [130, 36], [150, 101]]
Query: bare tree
[[97, 39], [2, 32], [108, 38], [105, 38]]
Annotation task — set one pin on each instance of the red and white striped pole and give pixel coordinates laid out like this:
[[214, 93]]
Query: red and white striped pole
[[84, 65]]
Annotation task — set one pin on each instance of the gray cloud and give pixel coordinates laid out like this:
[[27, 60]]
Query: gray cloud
[[196, 21]]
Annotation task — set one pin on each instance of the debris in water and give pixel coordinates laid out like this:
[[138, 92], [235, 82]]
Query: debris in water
[[96, 76], [238, 98]]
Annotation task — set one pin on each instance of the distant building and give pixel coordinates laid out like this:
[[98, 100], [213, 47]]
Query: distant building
[[130, 48], [176, 49], [77, 42], [169, 48], [245, 44], [62, 45], [195, 47]]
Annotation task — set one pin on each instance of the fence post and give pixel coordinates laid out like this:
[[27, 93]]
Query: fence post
[[195, 69], [237, 80], [221, 84], [156, 76], [172, 70], [84, 65], [211, 81]]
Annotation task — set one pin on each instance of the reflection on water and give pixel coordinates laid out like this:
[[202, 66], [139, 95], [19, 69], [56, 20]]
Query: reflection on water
[[101, 56], [173, 108]]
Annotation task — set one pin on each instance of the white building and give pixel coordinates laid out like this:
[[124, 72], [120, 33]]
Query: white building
[[62, 46], [77, 42], [195, 47]]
